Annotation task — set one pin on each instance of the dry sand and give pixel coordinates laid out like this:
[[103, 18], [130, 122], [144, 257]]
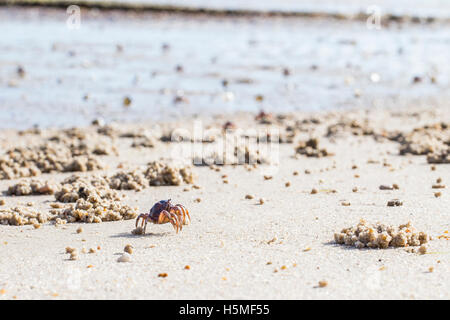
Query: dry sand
[[237, 248]]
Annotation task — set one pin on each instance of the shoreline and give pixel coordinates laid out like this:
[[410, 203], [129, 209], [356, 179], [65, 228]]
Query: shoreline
[[216, 12]]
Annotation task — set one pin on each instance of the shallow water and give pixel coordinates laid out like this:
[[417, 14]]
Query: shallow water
[[63, 66]]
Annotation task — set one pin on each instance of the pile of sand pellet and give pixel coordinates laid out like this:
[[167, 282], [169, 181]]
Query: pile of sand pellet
[[133, 180], [161, 174], [77, 187], [135, 134], [239, 155], [378, 235], [431, 140], [92, 201], [49, 157], [145, 142], [178, 136], [95, 210], [442, 156], [19, 216], [349, 126], [265, 118], [79, 143], [214, 158], [250, 155], [107, 130], [32, 187], [282, 136], [310, 148], [85, 199], [30, 131]]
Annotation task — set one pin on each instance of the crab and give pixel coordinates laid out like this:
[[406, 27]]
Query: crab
[[163, 212]]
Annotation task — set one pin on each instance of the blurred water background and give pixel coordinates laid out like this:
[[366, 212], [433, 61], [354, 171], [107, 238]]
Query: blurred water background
[[171, 66]]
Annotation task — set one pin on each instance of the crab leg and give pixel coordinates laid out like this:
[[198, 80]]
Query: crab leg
[[173, 219], [186, 212], [142, 216], [182, 212]]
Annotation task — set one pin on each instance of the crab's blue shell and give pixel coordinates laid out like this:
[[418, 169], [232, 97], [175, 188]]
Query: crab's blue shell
[[160, 206]]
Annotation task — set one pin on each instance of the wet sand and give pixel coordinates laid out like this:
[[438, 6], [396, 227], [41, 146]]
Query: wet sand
[[237, 248], [86, 73], [361, 92]]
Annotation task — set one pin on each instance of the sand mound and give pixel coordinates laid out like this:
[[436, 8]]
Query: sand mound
[[382, 236]]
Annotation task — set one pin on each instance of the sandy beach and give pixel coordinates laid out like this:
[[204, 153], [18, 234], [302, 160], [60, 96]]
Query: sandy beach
[[237, 248], [339, 189]]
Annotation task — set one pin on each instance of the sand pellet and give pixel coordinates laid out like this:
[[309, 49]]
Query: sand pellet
[[74, 256], [126, 101], [125, 257], [128, 249], [138, 231], [310, 148], [70, 249], [423, 249]]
